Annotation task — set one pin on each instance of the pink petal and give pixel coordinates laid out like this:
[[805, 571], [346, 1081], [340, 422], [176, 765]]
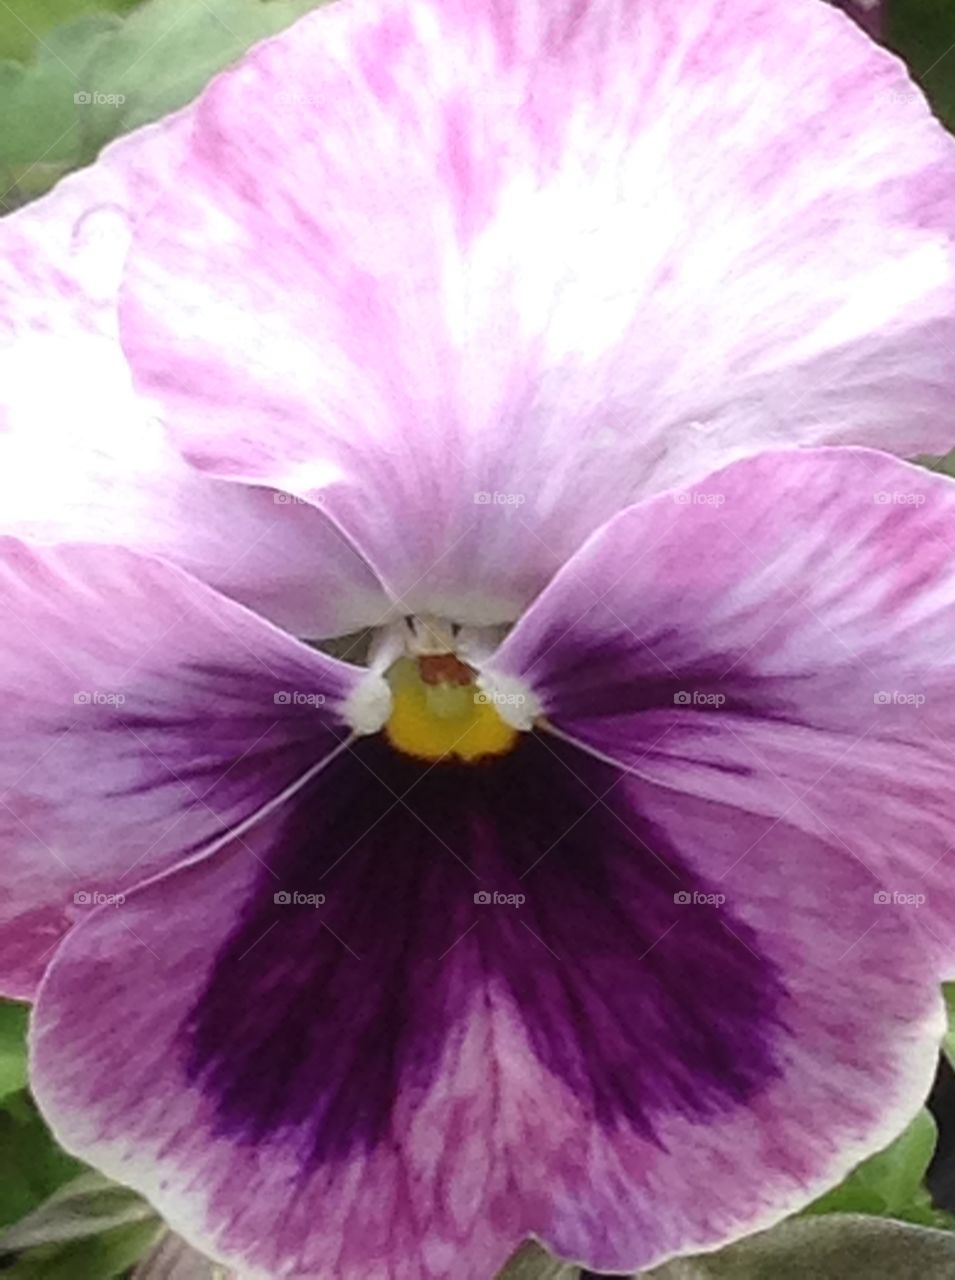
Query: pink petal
[[778, 639], [474, 277], [144, 715], [83, 457], [392, 1076]]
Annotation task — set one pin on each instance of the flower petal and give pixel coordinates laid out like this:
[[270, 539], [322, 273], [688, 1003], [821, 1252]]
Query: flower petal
[[143, 716], [342, 1059], [83, 457], [778, 638], [451, 269]]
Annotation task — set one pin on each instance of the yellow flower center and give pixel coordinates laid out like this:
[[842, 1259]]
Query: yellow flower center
[[438, 712]]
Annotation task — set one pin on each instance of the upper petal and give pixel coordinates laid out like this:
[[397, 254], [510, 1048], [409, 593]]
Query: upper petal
[[781, 637], [84, 457], [452, 269]]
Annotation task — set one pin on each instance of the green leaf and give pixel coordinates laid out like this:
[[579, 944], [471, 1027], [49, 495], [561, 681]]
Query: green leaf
[[836, 1247], [32, 1163], [168, 50], [531, 1262], [88, 1205], [944, 464], [41, 97], [25, 23], [101, 1257], [13, 1047], [890, 1183], [923, 32], [101, 75]]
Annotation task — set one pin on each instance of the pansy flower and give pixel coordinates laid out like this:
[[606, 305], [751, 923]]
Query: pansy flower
[[466, 774]]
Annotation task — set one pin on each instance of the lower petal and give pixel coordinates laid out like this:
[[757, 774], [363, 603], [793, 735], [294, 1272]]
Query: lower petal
[[391, 1066]]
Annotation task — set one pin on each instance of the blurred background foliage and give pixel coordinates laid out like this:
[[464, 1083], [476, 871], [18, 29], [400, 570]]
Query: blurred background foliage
[[74, 74], [923, 33]]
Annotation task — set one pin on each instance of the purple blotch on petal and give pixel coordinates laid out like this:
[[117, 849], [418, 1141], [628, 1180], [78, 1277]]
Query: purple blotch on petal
[[317, 1018]]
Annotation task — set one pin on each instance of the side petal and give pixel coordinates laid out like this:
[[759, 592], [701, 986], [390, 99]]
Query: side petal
[[781, 638], [144, 715], [451, 269], [84, 457], [487, 1003]]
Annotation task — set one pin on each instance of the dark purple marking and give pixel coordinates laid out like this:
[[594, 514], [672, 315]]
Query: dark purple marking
[[617, 672], [314, 1019]]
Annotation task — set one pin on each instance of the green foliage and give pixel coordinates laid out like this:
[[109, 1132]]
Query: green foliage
[[99, 75], [24, 23], [99, 1257], [923, 32], [13, 1055], [33, 1165], [892, 1182], [834, 1246]]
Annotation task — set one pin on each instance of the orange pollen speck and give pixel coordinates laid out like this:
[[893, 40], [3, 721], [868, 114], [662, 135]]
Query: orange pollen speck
[[444, 668]]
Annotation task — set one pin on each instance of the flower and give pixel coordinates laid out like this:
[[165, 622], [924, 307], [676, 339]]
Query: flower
[[605, 900]]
